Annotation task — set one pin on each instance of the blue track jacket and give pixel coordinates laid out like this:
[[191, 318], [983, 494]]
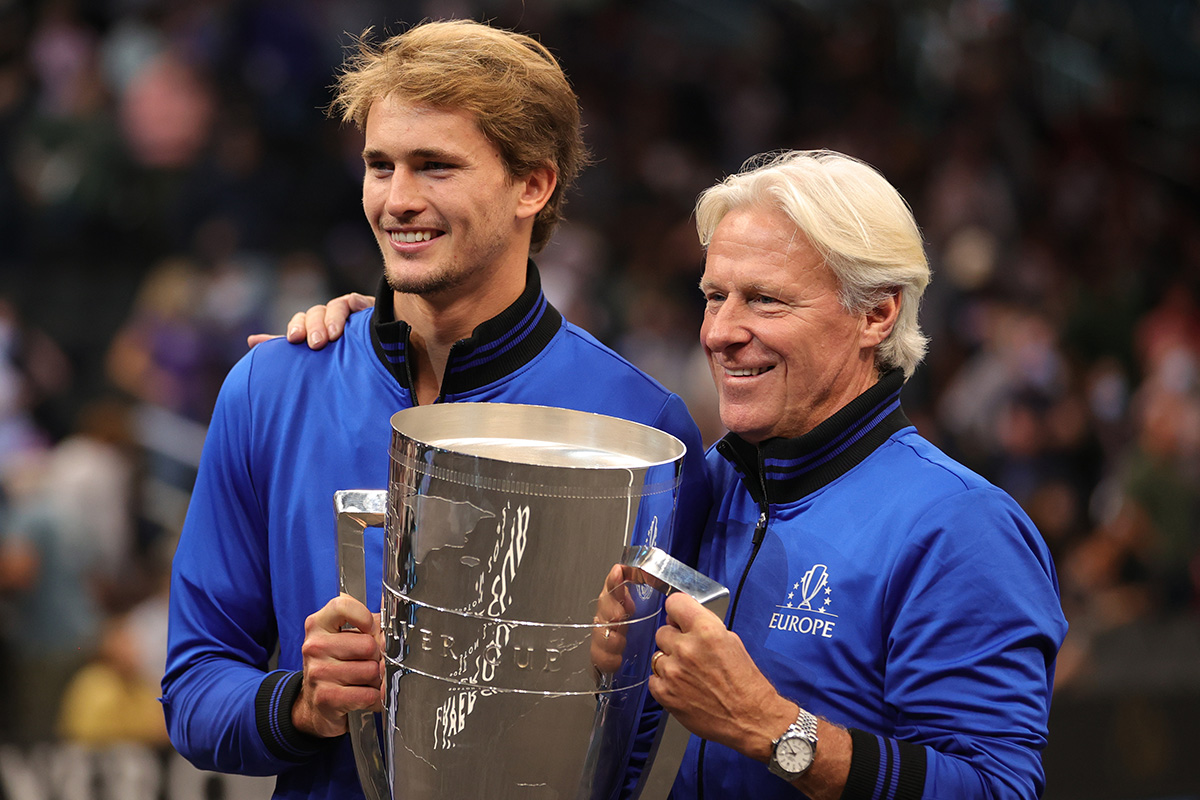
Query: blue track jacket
[[883, 586], [257, 556]]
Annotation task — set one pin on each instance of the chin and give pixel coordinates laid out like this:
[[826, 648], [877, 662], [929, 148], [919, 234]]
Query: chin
[[750, 433]]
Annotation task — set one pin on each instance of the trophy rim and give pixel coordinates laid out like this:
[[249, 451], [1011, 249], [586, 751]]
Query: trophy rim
[[441, 426]]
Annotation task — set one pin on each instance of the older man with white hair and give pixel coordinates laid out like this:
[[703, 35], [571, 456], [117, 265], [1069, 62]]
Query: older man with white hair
[[895, 617]]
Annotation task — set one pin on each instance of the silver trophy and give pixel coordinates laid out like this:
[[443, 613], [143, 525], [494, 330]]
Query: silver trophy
[[507, 673]]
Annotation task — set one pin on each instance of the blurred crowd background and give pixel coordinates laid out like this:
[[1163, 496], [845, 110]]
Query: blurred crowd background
[[169, 183]]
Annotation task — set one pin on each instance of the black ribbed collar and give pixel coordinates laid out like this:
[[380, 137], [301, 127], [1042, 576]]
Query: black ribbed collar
[[497, 347], [786, 470]]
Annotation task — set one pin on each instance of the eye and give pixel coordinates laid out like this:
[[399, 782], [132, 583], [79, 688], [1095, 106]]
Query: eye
[[379, 167], [436, 166]]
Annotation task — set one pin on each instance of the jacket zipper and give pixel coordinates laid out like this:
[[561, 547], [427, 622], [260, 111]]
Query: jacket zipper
[[760, 532]]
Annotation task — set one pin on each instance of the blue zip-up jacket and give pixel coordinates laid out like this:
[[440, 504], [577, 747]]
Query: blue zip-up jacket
[[885, 587], [256, 555]]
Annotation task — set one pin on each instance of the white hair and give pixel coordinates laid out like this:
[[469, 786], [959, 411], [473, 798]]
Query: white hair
[[857, 221]]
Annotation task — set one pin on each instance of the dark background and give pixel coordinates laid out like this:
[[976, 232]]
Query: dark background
[[169, 183]]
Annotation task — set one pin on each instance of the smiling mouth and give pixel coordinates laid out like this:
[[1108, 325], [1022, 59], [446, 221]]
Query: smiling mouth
[[412, 237], [747, 373]]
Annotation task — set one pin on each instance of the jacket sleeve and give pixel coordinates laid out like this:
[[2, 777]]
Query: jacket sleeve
[[224, 709], [970, 651]]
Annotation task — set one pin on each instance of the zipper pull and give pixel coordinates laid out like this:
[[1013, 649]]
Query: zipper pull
[[760, 530]]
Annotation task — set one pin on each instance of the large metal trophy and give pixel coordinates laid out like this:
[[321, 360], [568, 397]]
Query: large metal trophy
[[507, 675]]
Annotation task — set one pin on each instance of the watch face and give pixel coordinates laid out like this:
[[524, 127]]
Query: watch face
[[794, 754]]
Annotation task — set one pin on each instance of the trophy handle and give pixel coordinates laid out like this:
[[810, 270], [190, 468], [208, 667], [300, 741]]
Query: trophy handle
[[668, 574], [357, 510]]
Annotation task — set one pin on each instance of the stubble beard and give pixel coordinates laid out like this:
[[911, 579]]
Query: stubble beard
[[422, 285], [444, 279], [422, 281]]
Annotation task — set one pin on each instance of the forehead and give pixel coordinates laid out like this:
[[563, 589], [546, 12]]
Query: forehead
[[393, 119], [759, 245]]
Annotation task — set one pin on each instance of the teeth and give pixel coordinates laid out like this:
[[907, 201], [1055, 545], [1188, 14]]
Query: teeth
[[746, 373], [410, 237]]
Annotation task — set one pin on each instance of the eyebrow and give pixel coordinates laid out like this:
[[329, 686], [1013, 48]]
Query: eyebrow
[[430, 153], [754, 286]]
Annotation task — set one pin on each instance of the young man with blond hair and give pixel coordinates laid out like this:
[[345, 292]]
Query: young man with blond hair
[[472, 136]]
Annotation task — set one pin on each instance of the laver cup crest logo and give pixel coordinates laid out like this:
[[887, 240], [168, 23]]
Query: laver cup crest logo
[[814, 581], [807, 607]]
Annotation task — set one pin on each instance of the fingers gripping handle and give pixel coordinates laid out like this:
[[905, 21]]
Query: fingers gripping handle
[[668, 574], [357, 510]]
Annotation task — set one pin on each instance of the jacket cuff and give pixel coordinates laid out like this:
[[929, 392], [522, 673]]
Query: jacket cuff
[[273, 715], [884, 769]]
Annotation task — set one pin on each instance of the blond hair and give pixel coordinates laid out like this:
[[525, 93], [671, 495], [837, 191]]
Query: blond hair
[[510, 84], [857, 221]]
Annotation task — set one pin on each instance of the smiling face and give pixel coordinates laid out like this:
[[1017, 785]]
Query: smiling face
[[450, 221], [785, 354]]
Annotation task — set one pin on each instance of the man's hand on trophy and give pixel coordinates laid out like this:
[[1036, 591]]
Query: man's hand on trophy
[[342, 666], [613, 607], [321, 324], [703, 675]]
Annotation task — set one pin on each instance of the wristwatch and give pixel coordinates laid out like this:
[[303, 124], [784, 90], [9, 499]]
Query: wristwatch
[[792, 753]]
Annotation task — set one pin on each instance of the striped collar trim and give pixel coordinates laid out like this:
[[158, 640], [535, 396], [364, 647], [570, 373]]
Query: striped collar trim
[[496, 348], [786, 470]]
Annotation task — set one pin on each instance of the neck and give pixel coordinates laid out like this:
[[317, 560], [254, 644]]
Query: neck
[[439, 320], [783, 470]]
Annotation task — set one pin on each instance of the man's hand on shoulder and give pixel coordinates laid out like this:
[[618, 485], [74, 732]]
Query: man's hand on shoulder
[[321, 324]]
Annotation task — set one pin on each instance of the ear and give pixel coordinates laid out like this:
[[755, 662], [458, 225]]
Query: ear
[[535, 190], [879, 321]]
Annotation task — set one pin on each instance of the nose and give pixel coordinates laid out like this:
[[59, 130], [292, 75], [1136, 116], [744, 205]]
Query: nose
[[724, 326], [404, 197]]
